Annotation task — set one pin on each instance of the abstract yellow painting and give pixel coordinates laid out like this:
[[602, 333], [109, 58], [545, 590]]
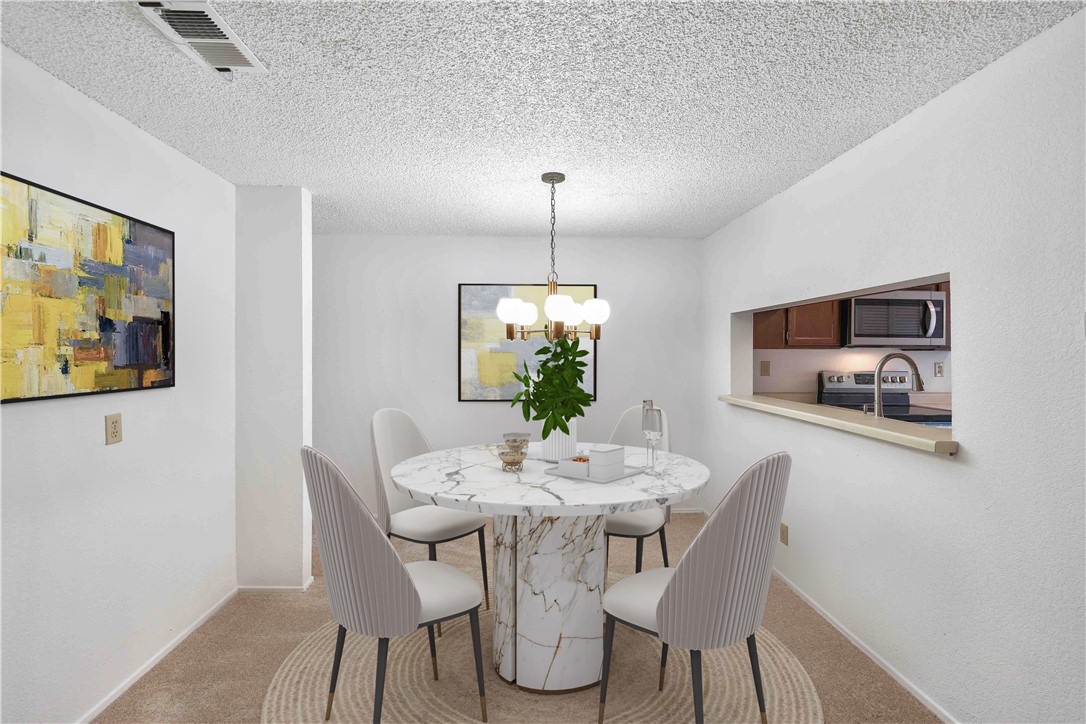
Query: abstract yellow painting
[[86, 297], [488, 359]]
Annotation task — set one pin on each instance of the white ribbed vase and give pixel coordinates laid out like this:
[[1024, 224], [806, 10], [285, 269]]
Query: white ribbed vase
[[559, 445]]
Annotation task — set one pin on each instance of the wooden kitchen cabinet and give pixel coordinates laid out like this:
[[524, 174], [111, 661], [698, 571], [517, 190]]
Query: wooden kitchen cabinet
[[769, 329], [809, 326], [814, 325]]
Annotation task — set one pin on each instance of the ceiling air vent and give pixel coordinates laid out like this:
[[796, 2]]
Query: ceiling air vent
[[201, 34]]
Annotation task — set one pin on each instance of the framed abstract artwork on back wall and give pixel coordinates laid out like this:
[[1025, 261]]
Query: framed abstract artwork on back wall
[[88, 297], [488, 359]]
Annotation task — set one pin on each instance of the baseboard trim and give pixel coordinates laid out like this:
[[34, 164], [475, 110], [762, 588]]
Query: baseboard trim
[[277, 589], [687, 510], [150, 664], [900, 678]]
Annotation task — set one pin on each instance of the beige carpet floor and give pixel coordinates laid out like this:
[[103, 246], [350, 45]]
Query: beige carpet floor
[[222, 672], [298, 694]]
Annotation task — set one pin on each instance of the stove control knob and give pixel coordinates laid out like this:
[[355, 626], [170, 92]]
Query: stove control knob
[[895, 378], [900, 379], [885, 378], [835, 379]]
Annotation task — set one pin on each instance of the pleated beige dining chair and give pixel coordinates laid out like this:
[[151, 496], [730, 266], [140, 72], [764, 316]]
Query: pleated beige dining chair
[[716, 596], [370, 590], [395, 437], [639, 524]]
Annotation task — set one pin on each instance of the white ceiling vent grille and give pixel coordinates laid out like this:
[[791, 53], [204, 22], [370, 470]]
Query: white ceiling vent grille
[[200, 33]]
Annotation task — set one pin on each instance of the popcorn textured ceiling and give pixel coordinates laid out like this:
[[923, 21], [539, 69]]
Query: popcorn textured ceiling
[[669, 119]]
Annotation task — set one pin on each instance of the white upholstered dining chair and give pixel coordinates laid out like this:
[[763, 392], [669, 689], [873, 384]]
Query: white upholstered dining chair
[[640, 524], [370, 590], [395, 437], [716, 596]]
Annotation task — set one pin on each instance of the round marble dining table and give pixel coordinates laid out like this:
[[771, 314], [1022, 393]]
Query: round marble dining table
[[550, 557]]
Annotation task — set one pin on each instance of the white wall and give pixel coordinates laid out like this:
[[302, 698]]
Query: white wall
[[274, 386], [109, 554], [386, 334], [964, 574]]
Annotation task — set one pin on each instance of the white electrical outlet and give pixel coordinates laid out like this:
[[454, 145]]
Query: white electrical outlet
[[938, 369], [113, 429]]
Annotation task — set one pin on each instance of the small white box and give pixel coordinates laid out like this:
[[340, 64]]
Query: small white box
[[608, 455], [603, 472], [569, 466]]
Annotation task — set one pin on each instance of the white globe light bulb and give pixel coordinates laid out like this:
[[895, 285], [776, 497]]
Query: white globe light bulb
[[596, 311], [527, 314], [557, 307], [508, 308], [575, 315]]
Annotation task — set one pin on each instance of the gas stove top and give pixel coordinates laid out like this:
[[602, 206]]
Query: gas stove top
[[853, 390]]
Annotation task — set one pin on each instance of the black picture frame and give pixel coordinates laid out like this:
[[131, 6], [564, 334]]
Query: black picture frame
[[459, 340], [171, 323]]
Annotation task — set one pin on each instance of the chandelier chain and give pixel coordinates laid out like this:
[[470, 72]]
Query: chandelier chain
[[553, 276]]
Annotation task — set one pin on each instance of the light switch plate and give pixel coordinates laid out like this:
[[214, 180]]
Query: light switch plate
[[784, 534], [113, 429], [938, 369], [764, 368]]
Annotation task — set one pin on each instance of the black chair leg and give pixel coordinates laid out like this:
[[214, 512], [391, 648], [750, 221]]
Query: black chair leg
[[433, 648], [752, 649], [379, 687], [335, 671], [695, 675], [433, 557], [640, 554], [486, 578], [663, 547], [663, 665], [476, 642], [608, 639]]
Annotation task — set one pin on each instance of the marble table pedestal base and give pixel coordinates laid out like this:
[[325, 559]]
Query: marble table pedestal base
[[548, 599]]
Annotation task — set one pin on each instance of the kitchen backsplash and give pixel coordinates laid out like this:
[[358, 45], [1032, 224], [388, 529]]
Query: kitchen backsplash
[[796, 370]]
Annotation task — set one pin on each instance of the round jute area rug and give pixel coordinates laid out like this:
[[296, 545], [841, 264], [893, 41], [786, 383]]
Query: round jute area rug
[[299, 691]]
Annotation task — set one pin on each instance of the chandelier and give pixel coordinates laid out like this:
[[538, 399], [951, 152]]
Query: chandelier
[[564, 316]]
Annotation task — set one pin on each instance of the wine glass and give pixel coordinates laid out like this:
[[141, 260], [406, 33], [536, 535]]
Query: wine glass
[[652, 427]]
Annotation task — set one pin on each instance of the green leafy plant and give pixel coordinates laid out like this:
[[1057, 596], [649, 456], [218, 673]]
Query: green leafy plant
[[554, 395]]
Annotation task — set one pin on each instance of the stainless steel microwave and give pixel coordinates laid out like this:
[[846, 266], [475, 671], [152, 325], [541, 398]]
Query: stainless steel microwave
[[907, 319]]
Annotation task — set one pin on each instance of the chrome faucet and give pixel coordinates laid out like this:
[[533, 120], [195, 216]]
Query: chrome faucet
[[918, 383]]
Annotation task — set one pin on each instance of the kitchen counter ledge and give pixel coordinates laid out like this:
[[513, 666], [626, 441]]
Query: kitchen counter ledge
[[930, 439]]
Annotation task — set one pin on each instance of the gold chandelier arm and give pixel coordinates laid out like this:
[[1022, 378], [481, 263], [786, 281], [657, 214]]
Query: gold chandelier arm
[[593, 332]]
